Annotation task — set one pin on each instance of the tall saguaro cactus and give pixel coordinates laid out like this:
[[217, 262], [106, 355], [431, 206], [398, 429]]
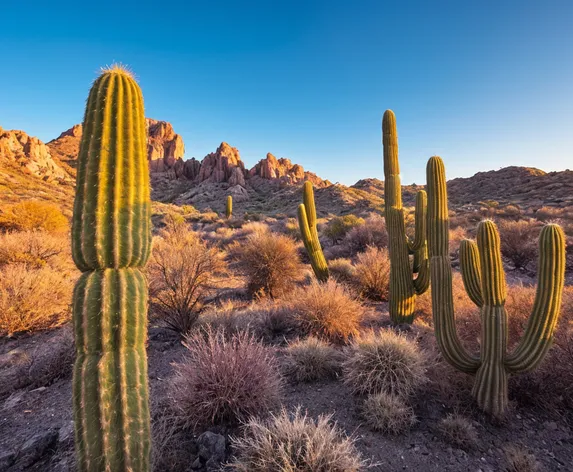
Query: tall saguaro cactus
[[484, 280], [309, 233], [406, 280], [111, 240], [229, 207]]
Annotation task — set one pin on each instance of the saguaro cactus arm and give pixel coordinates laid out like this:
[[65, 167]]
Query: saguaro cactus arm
[[312, 245], [541, 325], [404, 286], [471, 270], [441, 271]]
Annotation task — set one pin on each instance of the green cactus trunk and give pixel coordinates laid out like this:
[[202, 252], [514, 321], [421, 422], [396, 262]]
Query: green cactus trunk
[[484, 280], [406, 280], [111, 241], [229, 207], [309, 233]]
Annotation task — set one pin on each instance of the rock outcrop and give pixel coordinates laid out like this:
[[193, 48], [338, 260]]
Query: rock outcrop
[[283, 171], [30, 153], [223, 165], [164, 146]]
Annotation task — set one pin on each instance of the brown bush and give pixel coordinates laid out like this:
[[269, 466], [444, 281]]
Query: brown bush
[[517, 459], [183, 272], [33, 299], [327, 310], [33, 215], [35, 249], [459, 431], [519, 241], [373, 273], [270, 262], [225, 380], [371, 233], [547, 213], [384, 362], [312, 359], [388, 413], [342, 271], [295, 442]]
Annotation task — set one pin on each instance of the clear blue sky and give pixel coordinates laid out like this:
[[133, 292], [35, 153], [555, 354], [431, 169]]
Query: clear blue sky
[[483, 84]]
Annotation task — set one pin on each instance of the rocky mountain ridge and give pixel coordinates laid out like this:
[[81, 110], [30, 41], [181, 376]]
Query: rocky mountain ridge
[[31, 169]]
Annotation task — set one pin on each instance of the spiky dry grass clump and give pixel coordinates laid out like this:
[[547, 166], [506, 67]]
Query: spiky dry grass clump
[[459, 431], [31, 215], [342, 271], [312, 359], [225, 381], [183, 272], [519, 241], [388, 413], [33, 299], [518, 459], [384, 362], [328, 311], [373, 273], [293, 443], [270, 262]]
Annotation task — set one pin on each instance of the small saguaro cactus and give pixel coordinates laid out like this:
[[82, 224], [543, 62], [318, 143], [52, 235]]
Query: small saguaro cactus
[[309, 233], [484, 280], [229, 207], [406, 280], [111, 241]]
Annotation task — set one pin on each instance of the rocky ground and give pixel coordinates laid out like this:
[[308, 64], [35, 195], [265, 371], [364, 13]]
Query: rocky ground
[[37, 432]]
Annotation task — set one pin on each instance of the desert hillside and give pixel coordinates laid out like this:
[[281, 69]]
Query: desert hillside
[[30, 169]]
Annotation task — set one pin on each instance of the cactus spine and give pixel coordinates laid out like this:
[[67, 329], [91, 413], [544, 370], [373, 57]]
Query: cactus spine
[[111, 240], [403, 286], [484, 280], [309, 233], [229, 207]]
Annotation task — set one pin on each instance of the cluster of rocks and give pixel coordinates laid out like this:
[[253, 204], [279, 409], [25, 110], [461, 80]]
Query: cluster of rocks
[[31, 154]]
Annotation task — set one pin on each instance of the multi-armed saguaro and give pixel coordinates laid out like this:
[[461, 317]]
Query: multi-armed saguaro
[[111, 240], [403, 286], [229, 207], [309, 233], [484, 280]]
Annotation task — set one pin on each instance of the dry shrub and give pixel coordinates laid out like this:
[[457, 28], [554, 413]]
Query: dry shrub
[[459, 431], [384, 362], [274, 319], [33, 299], [519, 241], [339, 226], [312, 359], [227, 318], [517, 459], [294, 442], [327, 310], [270, 262], [35, 249], [33, 215], [183, 272], [456, 236], [547, 213], [342, 271], [225, 381], [388, 413], [373, 273], [371, 233]]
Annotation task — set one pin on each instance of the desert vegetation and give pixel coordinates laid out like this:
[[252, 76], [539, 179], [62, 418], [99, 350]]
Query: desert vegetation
[[330, 342]]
